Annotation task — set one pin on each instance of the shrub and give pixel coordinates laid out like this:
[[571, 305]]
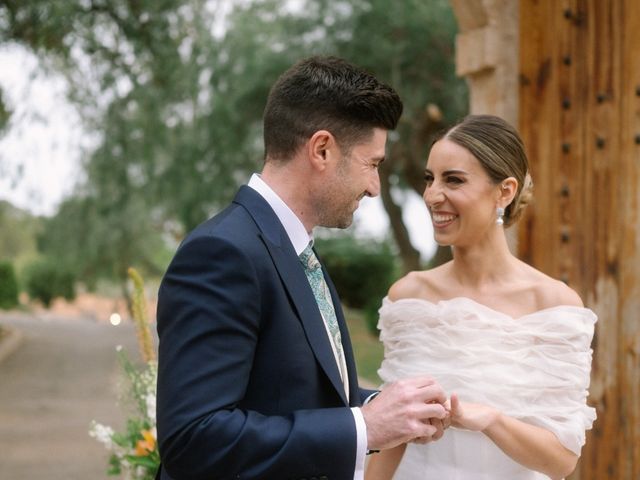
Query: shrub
[[8, 286], [361, 271], [46, 280]]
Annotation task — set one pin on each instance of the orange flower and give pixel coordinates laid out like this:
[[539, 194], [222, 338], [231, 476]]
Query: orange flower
[[146, 446]]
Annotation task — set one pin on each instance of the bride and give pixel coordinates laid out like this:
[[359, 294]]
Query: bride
[[509, 343]]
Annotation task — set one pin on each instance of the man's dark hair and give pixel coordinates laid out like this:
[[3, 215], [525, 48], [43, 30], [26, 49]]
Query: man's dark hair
[[326, 93]]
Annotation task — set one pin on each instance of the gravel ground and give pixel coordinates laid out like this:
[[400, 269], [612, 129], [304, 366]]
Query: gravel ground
[[64, 375]]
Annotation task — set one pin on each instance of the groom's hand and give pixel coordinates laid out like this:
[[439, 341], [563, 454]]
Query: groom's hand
[[440, 424], [402, 412]]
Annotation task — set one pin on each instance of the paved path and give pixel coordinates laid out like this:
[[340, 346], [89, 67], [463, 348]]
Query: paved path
[[64, 374]]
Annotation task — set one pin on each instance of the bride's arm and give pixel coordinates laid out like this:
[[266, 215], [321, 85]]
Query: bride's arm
[[532, 446], [383, 465]]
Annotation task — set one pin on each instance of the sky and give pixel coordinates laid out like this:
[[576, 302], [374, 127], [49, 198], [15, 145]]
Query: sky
[[40, 153]]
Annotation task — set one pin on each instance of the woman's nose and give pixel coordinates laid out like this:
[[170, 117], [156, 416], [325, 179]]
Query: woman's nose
[[432, 195]]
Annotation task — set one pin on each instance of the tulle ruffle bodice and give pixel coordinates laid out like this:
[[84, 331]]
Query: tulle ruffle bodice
[[535, 368]]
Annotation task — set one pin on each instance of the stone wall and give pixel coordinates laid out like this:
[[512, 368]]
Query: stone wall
[[487, 55]]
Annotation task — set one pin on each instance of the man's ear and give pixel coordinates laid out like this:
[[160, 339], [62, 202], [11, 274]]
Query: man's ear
[[507, 191], [320, 148]]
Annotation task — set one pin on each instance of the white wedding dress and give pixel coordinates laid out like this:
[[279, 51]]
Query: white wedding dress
[[535, 368]]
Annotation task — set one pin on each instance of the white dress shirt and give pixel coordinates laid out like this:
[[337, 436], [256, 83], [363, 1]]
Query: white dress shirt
[[300, 238]]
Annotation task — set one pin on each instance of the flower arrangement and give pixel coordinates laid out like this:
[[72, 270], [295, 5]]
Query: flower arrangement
[[134, 452]]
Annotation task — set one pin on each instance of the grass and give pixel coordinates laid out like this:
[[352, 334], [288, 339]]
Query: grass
[[366, 347]]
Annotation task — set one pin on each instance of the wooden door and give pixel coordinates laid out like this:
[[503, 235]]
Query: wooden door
[[579, 115]]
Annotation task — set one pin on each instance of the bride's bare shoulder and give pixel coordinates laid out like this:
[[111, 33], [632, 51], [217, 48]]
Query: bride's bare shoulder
[[556, 293], [425, 284], [553, 293]]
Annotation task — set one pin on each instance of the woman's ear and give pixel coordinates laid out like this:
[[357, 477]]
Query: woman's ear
[[320, 147], [507, 191]]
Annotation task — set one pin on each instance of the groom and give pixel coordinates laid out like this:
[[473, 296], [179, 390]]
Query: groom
[[256, 372]]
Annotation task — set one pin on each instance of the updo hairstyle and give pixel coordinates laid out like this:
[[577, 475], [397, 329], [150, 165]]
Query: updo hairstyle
[[500, 151]]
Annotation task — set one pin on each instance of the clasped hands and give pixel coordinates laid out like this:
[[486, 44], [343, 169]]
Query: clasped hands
[[417, 410]]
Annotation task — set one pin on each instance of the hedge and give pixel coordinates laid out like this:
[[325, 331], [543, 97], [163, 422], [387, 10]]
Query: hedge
[[362, 272], [8, 286], [46, 280]]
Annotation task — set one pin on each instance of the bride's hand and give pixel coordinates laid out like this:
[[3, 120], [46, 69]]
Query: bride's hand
[[471, 416]]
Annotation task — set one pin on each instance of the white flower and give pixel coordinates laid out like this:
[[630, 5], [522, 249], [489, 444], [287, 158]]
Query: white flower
[[151, 406], [140, 387], [127, 470], [102, 433]]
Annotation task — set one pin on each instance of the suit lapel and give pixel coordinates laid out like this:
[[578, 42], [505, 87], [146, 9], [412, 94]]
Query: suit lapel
[[295, 282]]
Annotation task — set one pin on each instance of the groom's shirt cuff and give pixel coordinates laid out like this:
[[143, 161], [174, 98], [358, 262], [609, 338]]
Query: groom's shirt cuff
[[361, 451]]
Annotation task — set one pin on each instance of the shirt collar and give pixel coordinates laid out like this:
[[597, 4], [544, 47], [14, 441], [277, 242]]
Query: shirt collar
[[296, 232]]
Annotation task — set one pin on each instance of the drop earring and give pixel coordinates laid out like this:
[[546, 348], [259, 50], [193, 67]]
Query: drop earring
[[499, 215]]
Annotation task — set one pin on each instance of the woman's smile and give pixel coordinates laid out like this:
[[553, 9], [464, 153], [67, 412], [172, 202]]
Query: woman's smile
[[442, 219]]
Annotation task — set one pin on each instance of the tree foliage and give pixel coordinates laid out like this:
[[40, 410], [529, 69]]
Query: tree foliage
[[410, 44], [8, 286], [18, 231], [176, 104], [95, 239], [45, 280]]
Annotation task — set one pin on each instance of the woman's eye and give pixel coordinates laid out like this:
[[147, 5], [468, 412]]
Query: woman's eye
[[428, 179], [454, 180]]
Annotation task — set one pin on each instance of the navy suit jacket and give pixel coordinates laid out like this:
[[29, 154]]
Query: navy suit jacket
[[248, 387]]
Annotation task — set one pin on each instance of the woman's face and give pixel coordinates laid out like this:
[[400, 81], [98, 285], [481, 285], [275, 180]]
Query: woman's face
[[460, 196]]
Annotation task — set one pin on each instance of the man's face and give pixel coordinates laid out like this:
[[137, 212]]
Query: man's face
[[353, 176]]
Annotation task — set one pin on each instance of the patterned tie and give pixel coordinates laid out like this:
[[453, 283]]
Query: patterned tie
[[313, 270]]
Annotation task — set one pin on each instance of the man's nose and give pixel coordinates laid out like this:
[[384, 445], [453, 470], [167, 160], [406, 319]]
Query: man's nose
[[373, 189]]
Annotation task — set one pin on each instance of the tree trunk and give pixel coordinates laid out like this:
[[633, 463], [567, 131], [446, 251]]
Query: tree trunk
[[408, 159], [409, 255], [443, 254]]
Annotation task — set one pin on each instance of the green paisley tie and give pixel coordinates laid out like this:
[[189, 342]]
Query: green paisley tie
[[313, 270]]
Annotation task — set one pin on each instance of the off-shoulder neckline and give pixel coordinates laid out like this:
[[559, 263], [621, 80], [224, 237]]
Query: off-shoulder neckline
[[386, 299]]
